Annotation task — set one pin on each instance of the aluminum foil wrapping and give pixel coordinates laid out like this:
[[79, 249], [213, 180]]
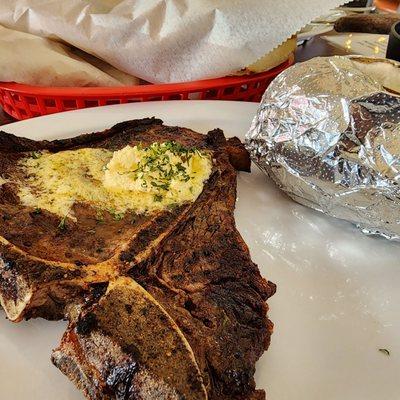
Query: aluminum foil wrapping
[[329, 136]]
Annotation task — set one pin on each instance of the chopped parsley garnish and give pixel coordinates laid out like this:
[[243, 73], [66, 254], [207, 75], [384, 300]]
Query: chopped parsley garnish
[[385, 351], [180, 167], [157, 197], [99, 217], [164, 186], [63, 225], [117, 215], [158, 166]]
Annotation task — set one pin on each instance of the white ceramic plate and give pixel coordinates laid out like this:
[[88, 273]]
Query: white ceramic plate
[[338, 298]]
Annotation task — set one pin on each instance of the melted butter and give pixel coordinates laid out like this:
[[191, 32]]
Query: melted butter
[[132, 179]]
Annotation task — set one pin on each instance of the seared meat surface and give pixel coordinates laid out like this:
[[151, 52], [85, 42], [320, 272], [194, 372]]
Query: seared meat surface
[[187, 266]]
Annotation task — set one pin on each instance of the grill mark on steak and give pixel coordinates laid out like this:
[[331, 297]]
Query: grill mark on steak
[[160, 223], [204, 271], [191, 259]]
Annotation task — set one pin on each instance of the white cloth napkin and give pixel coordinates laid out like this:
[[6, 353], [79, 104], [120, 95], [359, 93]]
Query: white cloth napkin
[[167, 40]]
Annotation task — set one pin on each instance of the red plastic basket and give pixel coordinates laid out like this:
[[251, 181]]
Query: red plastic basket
[[24, 101]]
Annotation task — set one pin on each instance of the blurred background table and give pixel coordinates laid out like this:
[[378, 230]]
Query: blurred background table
[[317, 47], [313, 47]]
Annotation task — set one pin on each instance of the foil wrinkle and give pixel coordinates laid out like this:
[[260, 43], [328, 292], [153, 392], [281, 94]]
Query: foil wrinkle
[[328, 135]]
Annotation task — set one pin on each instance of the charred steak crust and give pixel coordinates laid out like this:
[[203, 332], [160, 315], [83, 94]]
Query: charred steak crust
[[191, 262], [203, 276], [105, 345]]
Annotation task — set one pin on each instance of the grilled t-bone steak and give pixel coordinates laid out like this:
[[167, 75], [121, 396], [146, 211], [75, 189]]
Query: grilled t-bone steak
[[166, 305], [130, 347]]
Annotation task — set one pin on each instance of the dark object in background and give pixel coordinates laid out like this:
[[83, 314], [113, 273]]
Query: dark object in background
[[359, 3], [393, 49], [367, 23]]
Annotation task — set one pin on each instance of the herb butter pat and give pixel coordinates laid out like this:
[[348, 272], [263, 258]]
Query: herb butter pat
[[136, 178], [168, 172]]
